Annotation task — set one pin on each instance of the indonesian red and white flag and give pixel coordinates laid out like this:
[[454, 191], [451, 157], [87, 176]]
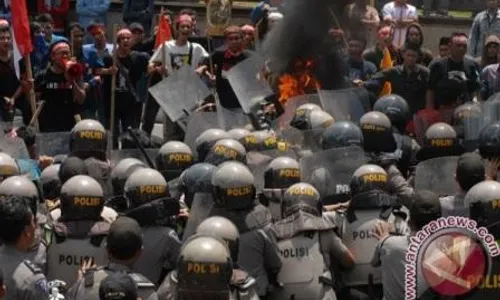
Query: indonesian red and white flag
[[21, 37]]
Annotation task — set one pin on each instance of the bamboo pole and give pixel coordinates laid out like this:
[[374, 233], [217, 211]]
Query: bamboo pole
[[113, 89], [32, 97]]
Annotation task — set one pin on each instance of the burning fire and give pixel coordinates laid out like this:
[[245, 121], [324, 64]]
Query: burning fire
[[300, 82]]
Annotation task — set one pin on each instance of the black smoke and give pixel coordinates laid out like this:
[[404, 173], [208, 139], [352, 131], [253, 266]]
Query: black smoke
[[303, 34]]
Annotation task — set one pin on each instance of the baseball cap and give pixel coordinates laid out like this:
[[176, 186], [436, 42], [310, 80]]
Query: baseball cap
[[470, 170], [124, 239], [426, 208], [118, 286], [70, 167]]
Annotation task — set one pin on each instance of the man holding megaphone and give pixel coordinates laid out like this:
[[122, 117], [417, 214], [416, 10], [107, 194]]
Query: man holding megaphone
[[62, 88]]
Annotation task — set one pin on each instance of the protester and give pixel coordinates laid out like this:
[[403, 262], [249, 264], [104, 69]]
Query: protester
[[77, 33], [361, 19], [400, 14], [489, 80], [444, 47], [140, 12], [47, 23], [375, 54], [441, 6], [248, 36], [485, 24], [415, 37], [490, 52], [89, 11], [39, 56], [262, 9], [58, 10], [192, 13], [359, 69]]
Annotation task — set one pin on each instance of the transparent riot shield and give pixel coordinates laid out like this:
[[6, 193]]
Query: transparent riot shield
[[491, 109], [330, 172], [202, 204], [231, 118], [468, 120], [291, 105], [5, 126], [346, 104], [246, 83], [197, 123], [179, 93], [117, 155], [257, 162], [437, 175], [53, 143], [14, 146], [302, 140]]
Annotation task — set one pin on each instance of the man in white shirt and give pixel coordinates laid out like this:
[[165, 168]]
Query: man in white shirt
[[172, 56], [400, 14]]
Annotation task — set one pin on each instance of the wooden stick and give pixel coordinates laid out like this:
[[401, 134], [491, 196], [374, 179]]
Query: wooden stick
[[113, 87], [336, 21], [37, 113], [32, 97]]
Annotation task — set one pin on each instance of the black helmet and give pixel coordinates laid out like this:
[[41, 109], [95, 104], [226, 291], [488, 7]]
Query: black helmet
[[489, 141], [82, 198], [51, 184], [145, 185], [122, 171], [440, 140], [224, 229], [301, 118], [196, 179], [22, 187], [226, 150], [395, 108], [341, 134], [301, 196], [8, 166], [367, 178], [207, 139], [173, 158], [281, 173], [88, 138], [377, 132], [234, 186]]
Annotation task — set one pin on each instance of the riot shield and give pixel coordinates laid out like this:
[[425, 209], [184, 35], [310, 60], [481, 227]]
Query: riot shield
[[291, 105], [468, 120], [197, 123], [491, 109], [345, 105], [257, 162], [246, 83], [302, 139], [179, 93], [53, 143], [201, 207], [5, 126], [15, 147], [229, 119], [330, 172], [117, 155], [437, 175]]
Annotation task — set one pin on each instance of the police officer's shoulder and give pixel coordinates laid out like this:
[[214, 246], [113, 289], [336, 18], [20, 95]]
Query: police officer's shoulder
[[31, 274], [32, 267], [141, 281], [394, 240]]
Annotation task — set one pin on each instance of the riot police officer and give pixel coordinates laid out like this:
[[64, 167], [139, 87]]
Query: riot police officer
[[207, 139], [147, 193], [482, 200], [241, 283], [370, 201], [119, 176], [377, 133], [234, 196], [51, 185], [196, 185], [489, 141], [8, 166], [245, 137], [78, 235], [280, 174], [302, 115], [89, 141], [468, 120], [440, 140], [341, 134], [308, 244], [173, 158], [123, 245], [226, 150]]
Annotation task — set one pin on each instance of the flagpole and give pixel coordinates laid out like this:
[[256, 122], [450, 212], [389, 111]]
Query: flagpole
[[113, 89], [32, 98]]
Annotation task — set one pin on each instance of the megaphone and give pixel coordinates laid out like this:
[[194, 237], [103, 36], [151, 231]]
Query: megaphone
[[73, 69]]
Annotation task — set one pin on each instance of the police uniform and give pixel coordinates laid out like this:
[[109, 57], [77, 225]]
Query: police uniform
[[108, 214], [23, 279], [88, 287]]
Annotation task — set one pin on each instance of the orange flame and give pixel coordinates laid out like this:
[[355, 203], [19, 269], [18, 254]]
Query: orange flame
[[301, 82]]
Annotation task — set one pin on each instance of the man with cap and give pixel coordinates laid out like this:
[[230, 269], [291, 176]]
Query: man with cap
[[124, 246], [470, 170], [174, 55], [118, 286], [24, 279], [62, 93]]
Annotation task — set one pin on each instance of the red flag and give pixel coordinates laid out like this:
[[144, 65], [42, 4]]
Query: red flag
[[163, 34], [21, 27]]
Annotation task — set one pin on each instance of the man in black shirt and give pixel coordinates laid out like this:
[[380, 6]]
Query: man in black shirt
[[454, 79], [224, 60], [63, 94]]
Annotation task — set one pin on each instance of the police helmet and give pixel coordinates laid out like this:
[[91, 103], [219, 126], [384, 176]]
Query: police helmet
[[145, 185], [173, 158], [224, 229], [341, 134], [196, 179], [301, 117], [207, 139], [226, 150], [82, 198], [301, 196], [234, 186], [468, 121], [466, 112], [245, 137], [367, 178], [489, 141], [440, 135], [320, 119], [88, 138], [51, 183], [265, 140], [122, 171], [23, 187], [483, 201], [204, 269], [377, 132], [395, 108], [281, 173], [8, 166]]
